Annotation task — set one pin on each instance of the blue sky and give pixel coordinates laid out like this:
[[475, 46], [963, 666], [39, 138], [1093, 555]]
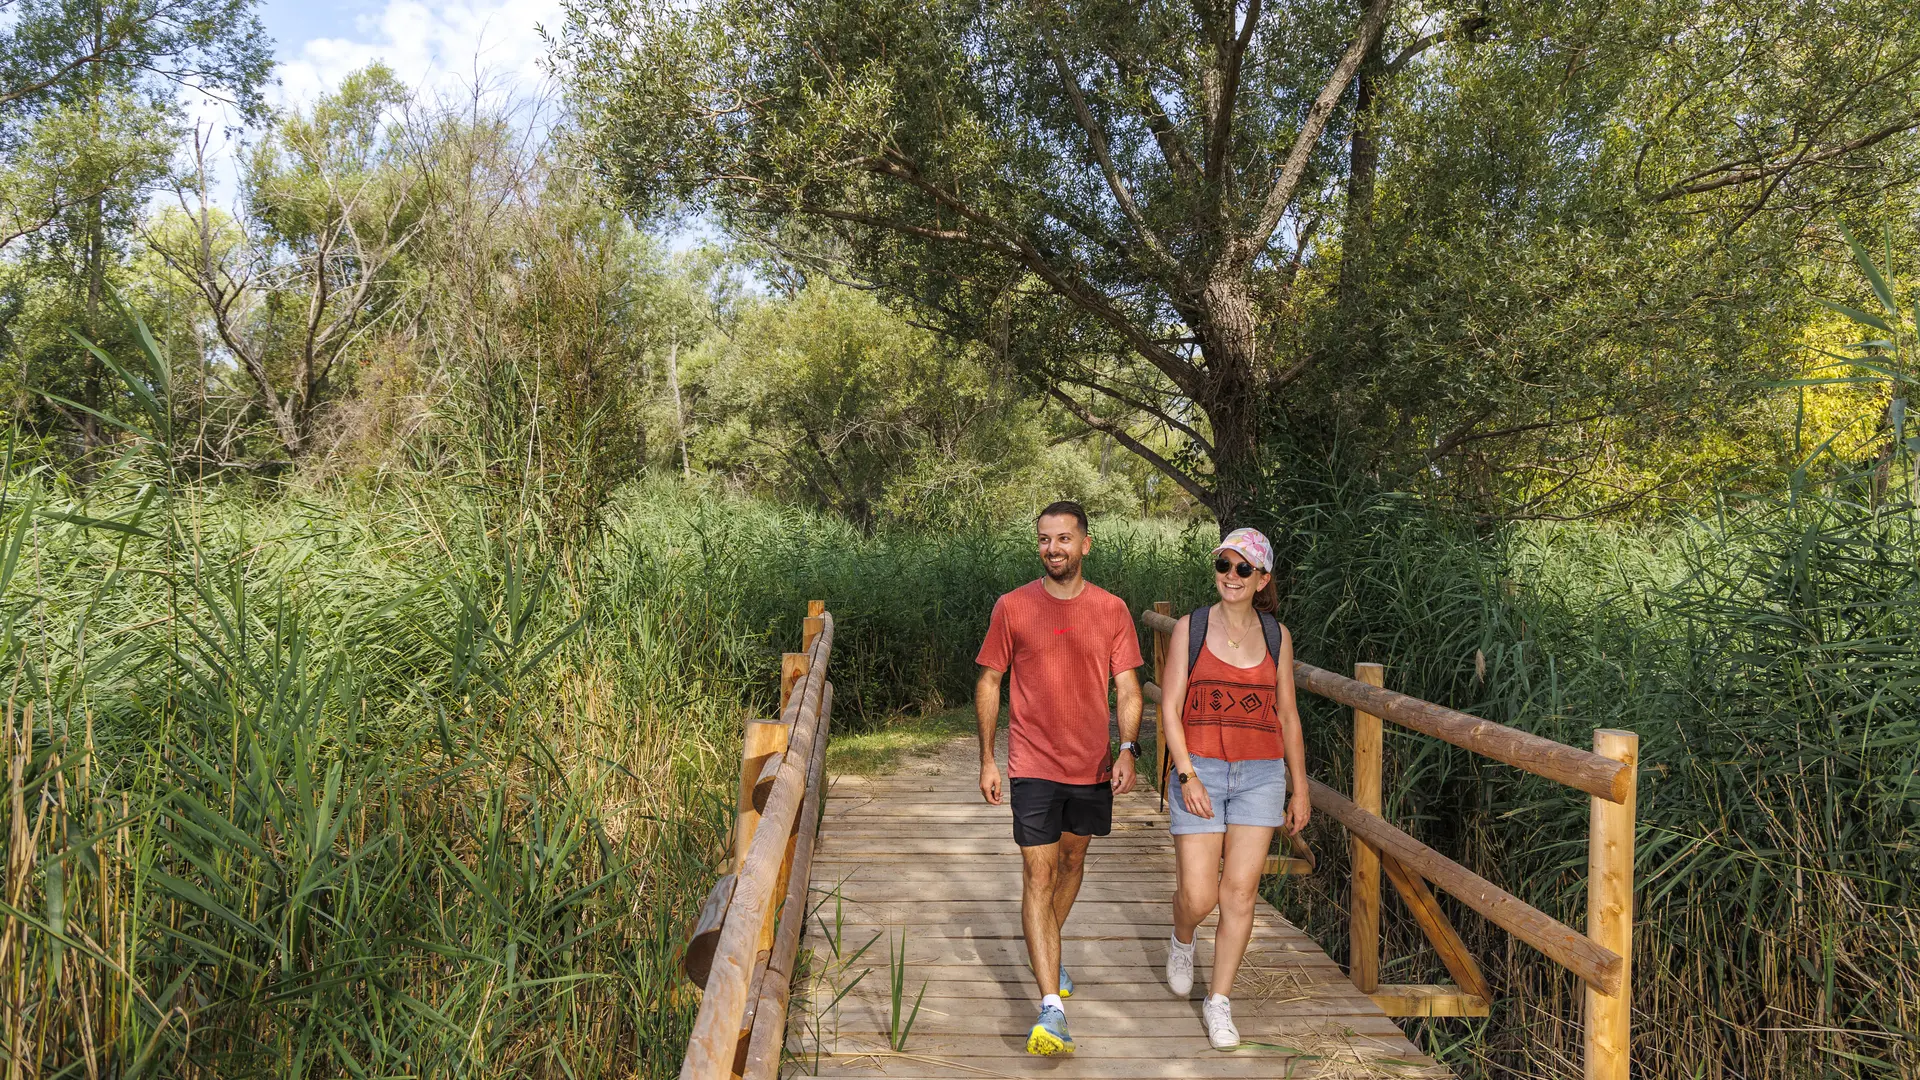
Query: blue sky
[[441, 48]]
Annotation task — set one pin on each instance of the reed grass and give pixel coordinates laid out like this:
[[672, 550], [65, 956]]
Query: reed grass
[[1768, 656], [351, 784]]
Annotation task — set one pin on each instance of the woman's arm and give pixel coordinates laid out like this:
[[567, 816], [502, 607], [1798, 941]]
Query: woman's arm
[[1292, 740], [1173, 698]]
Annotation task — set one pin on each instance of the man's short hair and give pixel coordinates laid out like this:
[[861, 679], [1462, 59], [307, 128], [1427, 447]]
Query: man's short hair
[[1067, 507]]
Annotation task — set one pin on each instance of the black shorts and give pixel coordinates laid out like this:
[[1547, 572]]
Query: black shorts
[[1043, 809]]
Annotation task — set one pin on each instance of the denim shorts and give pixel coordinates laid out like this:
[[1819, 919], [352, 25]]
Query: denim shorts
[[1242, 792]]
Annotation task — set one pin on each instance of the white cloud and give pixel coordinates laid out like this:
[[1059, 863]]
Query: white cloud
[[441, 49]]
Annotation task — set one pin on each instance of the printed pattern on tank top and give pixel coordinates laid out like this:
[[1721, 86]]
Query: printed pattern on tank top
[[1232, 712], [1231, 704]]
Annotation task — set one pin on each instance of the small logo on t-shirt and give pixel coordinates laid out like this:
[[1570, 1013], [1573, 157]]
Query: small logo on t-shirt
[[1061, 629]]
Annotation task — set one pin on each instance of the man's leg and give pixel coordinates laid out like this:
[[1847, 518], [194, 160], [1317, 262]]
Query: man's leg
[[1039, 875], [1071, 868]]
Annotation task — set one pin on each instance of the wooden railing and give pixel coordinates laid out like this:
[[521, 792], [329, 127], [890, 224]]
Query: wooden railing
[[1601, 957], [743, 948]]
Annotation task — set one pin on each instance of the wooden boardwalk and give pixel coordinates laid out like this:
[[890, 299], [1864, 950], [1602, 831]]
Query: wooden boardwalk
[[918, 859]]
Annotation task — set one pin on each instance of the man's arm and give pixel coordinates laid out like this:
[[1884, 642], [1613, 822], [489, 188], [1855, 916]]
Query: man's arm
[[986, 710], [1127, 701]]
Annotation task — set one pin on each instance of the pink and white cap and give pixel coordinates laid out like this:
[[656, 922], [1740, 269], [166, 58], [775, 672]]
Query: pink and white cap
[[1252, 546]]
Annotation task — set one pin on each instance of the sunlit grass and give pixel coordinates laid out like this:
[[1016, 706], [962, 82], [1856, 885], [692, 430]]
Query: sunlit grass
[[904, 737]]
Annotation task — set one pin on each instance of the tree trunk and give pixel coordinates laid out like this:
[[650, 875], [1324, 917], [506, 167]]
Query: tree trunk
[[1363, 160], [1232, 399]]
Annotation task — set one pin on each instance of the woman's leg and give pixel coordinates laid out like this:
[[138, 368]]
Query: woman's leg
[[1197, 881], [1246, 857]]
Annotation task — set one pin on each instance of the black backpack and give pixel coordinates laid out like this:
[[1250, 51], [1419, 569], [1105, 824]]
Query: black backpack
[[1197, 636]]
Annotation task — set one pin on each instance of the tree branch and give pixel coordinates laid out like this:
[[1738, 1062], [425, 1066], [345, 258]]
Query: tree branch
[[1115, 182], [1295, 168], [1193, 487], [1729, 175], [1087, 297], [1464, 28], [1198, 439], [1227, 91]]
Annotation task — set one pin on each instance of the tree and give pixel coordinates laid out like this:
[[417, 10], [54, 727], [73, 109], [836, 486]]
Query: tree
[[88, 109], [334, 198], [1157, 204], [827, 397]]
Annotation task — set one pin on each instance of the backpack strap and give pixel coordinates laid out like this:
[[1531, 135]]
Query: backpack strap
[[1270, 626], [1196, 636]]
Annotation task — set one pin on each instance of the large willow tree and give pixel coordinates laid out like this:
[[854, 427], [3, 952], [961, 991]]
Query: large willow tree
[[1440, 225]]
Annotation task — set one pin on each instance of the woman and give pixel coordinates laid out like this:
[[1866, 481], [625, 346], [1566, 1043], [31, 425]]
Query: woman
[[1239, 764]]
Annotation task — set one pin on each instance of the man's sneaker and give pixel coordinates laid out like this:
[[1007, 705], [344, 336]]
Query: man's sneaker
[[1066, 982], [1049, 1035], [1180, 967], [1220, 1030]]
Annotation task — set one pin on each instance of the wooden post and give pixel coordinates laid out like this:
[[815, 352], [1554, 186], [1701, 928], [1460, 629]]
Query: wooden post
[[793, 668], [1610, 912], [1162, 758], [763, 739], [814, 622], [1363, 933]]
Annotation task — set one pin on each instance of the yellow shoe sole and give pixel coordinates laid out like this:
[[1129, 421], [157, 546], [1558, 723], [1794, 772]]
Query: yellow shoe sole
[[1045, 1043]]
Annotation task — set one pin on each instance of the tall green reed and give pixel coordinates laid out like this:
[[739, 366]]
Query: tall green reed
[[298, 787], [1768, 658]]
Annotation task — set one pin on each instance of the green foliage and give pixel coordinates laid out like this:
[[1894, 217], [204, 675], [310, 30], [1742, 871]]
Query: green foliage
[[341, 788], [832, 398], [1547, 272]]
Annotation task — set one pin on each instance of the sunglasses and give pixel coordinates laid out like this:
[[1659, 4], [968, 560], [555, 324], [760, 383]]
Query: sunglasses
[[1222, 566]]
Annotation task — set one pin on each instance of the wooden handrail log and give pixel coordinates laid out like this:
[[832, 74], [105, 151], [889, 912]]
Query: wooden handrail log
[[776, 984], [697, 960], [1582, 769], [1152, 691], [1576, 768], [716, 1031], [1600, 968], [763, 787]]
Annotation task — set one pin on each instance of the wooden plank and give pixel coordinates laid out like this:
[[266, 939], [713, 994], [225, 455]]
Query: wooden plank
[[1599, 967], [1427, 1000], [1439, 930], [1323, 1057], [921, 858]]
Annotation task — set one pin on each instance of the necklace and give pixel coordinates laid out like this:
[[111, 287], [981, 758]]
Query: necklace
[[1234, 642]]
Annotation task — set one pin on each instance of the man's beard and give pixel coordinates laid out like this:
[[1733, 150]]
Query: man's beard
[[1068, 570]]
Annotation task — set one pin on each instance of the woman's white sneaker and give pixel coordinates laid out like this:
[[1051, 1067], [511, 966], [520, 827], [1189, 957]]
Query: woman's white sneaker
[[1179, 967], [1221, 1033]]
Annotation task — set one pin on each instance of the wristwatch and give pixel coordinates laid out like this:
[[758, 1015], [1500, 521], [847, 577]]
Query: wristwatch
[[1131, 748], [1183, 777]]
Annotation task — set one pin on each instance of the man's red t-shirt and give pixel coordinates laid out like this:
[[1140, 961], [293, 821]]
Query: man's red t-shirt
[[1062, 652]]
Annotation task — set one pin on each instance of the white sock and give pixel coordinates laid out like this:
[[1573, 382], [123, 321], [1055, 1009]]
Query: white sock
[[1183, 946], [1218, 999], [1052, 1001]]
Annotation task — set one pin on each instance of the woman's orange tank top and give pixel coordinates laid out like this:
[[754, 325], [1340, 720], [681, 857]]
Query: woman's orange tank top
[[1232, 713]]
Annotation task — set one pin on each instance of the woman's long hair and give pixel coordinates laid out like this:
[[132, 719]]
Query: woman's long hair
[[1267, 599]]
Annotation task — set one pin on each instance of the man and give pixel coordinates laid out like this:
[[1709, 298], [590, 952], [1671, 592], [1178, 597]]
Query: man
[[1063, 639]]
